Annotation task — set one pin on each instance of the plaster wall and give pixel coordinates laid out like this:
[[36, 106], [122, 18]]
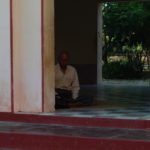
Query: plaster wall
[[5, 61], [76, 29], [27, 55], [76, 32]]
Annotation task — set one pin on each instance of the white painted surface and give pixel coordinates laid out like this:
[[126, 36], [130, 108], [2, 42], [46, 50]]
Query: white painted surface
[[27, 55], [5, 73]]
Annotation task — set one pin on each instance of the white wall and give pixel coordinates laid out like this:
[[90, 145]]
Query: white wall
[[5, 72], [32, 56], [27, 56]]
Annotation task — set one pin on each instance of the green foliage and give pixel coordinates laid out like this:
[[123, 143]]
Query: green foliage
[[122, 69], [125, 24], [126, 27]]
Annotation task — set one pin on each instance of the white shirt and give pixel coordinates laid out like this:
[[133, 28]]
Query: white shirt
[[68, 80]]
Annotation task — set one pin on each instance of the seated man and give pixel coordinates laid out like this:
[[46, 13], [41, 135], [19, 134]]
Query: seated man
[[66, 81], [67, 84]]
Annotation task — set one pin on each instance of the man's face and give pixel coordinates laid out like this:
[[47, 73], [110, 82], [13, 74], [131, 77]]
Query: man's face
[[64, 59]]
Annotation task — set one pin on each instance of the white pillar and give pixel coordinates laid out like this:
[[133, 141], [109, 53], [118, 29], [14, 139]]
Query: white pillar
[[33, 75], [49, 72], [5, 57], [99, 43]]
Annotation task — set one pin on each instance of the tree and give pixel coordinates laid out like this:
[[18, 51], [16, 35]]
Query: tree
[[125, 24], [126, 28]]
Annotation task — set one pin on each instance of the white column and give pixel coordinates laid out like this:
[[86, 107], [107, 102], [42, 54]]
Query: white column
[[27, 55], [99, 43], [33, 55], [5, 58]]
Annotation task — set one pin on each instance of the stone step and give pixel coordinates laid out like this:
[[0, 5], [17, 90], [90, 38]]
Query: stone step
[[76, 121], [35, 136]]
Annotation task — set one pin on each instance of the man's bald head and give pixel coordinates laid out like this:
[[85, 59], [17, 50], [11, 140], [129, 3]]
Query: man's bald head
[[63, 59]]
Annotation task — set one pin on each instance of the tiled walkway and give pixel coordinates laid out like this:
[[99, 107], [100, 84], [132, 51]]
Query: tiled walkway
[[112, 100], [86, 129], [118, 113], [76, 131]]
